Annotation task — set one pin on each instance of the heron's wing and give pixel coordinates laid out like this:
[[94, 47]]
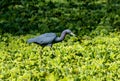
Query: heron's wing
[[45, 39]]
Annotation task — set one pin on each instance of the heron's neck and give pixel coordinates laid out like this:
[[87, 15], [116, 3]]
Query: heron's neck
[[58, 39]]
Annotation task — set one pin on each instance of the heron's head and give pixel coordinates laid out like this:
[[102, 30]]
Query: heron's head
[[69, 32]]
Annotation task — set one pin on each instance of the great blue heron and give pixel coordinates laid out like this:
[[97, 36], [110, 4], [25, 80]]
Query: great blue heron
[[48, 39]]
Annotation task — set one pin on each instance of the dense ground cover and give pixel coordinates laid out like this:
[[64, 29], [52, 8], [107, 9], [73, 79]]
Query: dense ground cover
[[82, 16], [91, 56], [88, 59]]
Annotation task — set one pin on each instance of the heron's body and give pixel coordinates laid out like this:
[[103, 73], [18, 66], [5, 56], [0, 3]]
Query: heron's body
[[44, 39], [48, 38]]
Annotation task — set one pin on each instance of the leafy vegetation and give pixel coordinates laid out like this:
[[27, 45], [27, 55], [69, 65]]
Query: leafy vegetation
[[94, 55], [22, 17], [91, 59]]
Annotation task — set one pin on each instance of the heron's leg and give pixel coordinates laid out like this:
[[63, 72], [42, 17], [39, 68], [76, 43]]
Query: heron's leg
[[49, 45], [53, 55], [51, 48], [40, 55]]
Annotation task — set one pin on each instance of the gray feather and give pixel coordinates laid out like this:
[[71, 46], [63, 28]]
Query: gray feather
[[31, 40], [43, 39]]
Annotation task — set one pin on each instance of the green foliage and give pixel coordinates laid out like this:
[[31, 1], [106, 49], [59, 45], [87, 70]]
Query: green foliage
[[86, 58], [94, 59], [21, 17]]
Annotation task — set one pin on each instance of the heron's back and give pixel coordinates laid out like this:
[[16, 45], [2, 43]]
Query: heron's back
[[43, 39], [31, 40]]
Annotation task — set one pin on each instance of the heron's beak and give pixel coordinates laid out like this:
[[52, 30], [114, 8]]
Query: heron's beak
[[72, 34]]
